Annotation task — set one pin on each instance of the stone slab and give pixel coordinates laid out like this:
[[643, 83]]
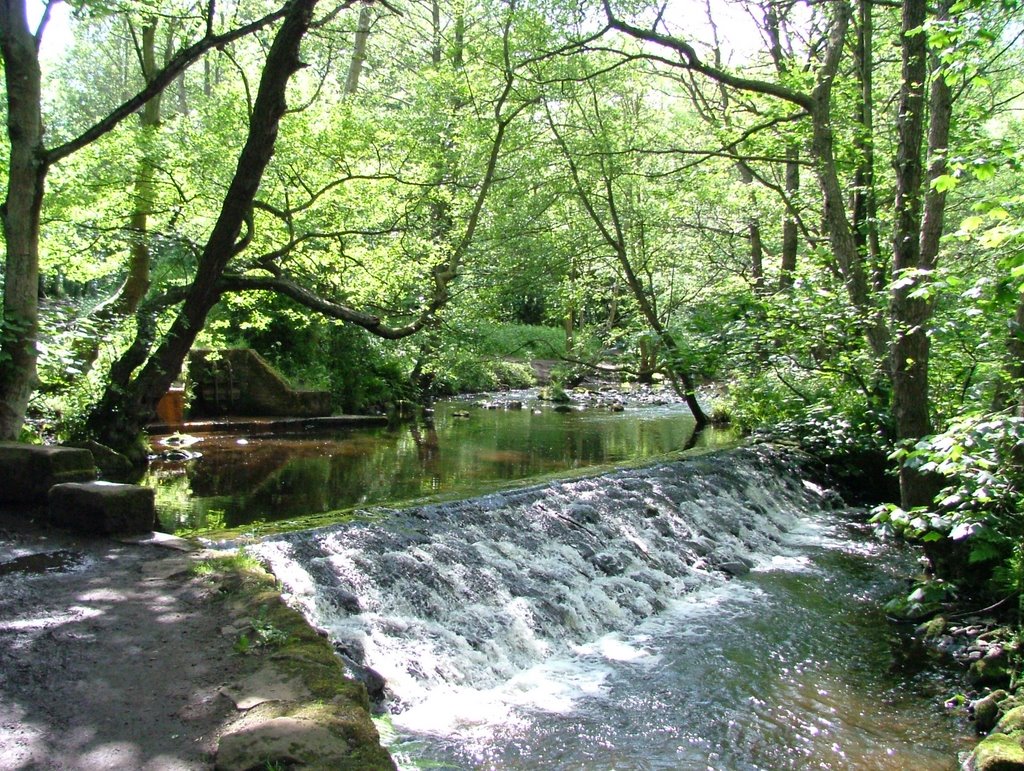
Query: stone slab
[[286, 742], [28, 471], [103, 507]]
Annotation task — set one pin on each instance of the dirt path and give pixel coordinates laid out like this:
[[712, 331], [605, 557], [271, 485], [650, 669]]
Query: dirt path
[[113, 660]]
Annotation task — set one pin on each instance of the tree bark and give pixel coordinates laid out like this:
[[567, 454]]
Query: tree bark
[[355, 66], [1014, 365], [790, 226], [841, 235], [127, 404], [865, 206], [917, 228], [20, 214]]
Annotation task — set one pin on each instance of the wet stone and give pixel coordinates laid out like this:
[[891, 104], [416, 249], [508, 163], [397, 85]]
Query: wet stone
[[583, 513], [986, 711]]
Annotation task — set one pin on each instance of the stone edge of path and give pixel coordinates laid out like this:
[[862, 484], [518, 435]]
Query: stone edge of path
[[297, 709]]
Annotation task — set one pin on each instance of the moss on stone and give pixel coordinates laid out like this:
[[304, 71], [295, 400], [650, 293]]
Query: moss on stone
[[1012, 723], [337, 706], [994, 671], [997, 752]]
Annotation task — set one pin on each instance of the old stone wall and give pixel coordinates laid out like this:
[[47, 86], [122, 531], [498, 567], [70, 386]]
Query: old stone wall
[[238, 381]]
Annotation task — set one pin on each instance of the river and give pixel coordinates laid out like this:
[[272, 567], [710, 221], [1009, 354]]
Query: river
[[708, 613]]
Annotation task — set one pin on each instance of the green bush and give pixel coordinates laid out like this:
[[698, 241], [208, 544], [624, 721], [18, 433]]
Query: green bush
[[980, 458]]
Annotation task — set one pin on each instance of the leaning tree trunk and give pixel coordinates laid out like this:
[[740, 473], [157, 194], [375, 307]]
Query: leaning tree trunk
[[20, 215], [129, 401]]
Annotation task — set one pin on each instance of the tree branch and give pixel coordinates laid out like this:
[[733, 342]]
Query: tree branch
[[181, 61]]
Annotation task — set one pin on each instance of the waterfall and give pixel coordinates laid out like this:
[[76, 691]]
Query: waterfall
[[497, 593]]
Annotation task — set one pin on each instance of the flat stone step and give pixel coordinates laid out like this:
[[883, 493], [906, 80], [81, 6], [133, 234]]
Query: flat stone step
[[28, 471], [103, 508]]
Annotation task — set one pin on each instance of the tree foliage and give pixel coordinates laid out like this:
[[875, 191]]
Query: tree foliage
[[816, 204]]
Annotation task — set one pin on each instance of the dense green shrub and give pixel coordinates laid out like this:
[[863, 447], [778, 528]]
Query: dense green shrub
[[979, 512]]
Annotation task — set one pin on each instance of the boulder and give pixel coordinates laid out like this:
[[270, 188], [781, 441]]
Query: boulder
[[111, 464], [992, 669], [1012, 722], [28, 471], [103, 507], [997, 752], [986, 711], [1001, 750]]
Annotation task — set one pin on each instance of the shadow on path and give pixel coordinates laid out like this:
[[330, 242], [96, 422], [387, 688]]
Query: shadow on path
[[109, 659]]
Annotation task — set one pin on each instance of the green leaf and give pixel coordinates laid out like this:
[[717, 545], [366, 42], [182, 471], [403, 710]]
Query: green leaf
[[972, 223], [984, 170]]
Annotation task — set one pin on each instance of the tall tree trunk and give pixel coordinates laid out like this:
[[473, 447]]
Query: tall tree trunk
[[435, 31], [865, 208], [1014, 365], [790, 232], [753, 230], [841, 236], [20, 214], [128, 402], [790, 227], [459, 50], [916, 232], [355, 66]]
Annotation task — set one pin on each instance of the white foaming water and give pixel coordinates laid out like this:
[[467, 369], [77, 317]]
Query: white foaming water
[[594, 624], [474, 611]]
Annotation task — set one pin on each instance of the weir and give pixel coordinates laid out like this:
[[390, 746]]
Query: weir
[[480, 612]]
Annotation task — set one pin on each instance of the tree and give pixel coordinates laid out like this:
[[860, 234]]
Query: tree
[[231, 260], [898, 337], [609, 178], [30, 161]]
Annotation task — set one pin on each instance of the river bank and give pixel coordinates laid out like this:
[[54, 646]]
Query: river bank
[[142, 655]]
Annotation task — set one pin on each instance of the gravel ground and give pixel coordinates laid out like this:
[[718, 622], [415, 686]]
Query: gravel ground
[[111, 655]]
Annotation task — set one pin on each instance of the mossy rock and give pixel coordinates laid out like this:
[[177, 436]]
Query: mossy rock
[[555, 394], [987, 711], [1012, 723], [933, 628], [332, 729], [997, 752], [994, 671], [308, 736]]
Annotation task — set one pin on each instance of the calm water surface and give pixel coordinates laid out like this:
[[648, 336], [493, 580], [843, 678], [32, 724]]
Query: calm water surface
[[243, 479]]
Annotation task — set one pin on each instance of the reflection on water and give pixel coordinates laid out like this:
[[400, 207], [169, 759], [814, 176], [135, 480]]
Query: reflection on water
[[242, 479]]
